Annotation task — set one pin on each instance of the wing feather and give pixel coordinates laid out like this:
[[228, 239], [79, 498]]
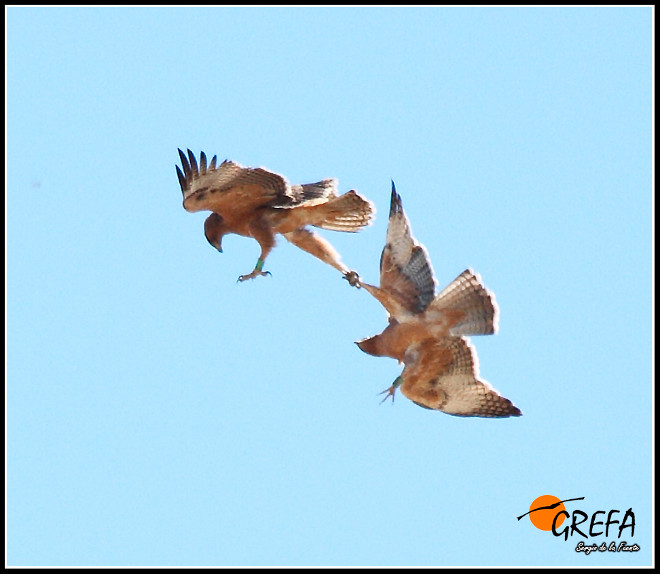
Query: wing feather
[[193, 164], [186, 171]]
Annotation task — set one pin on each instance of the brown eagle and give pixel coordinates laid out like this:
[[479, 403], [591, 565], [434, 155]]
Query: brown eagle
[[258, 203], [427, 332]]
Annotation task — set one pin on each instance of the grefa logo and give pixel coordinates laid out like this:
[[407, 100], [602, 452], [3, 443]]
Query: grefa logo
[[548, 513]]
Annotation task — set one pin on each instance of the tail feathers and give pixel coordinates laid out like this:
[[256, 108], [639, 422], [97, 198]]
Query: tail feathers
[[476, 305], [349, 212]]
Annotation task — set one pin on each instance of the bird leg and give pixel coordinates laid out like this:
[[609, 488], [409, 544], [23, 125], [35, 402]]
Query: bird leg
[[256, 272], [319, 247], [260, 231], [391, 390]]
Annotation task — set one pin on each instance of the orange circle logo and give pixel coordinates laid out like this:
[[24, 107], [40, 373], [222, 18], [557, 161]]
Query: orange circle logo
[[543, 510]]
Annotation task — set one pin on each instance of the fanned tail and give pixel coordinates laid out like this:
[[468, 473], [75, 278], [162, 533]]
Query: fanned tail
[[349, 212], [468, 296]]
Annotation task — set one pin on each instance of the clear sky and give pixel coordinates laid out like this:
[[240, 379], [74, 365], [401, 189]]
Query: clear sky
[[160, 413]]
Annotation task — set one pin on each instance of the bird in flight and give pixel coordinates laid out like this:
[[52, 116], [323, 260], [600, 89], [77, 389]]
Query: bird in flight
[[427, 332], [258, 203]]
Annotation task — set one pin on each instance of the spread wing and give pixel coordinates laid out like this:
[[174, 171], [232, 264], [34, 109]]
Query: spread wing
[[405, 269], [443, 374], [235, 188]]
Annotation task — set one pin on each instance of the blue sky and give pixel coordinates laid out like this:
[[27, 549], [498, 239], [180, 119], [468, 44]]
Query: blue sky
[[159, 413]]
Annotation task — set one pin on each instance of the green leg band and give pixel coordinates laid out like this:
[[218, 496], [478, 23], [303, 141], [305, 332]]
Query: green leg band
[[260, 264], [397, 382]]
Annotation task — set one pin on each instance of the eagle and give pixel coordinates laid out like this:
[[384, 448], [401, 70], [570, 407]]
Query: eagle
[[258, 203], [428, 332]]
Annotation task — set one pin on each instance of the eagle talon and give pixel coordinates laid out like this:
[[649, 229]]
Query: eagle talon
[[252, 275], [353, 279], [391, 390], [390, 393]]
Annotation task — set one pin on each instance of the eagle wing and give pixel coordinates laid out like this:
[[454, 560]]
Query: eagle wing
[[231, 187], [443, 374], [405, 269]]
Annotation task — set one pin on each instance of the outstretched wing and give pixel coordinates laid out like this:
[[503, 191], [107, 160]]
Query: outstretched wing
[[443, 374], [405, 269], [229, 186]]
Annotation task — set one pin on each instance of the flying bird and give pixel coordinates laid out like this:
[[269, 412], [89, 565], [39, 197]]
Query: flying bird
[[427, 332], [258, 203]]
